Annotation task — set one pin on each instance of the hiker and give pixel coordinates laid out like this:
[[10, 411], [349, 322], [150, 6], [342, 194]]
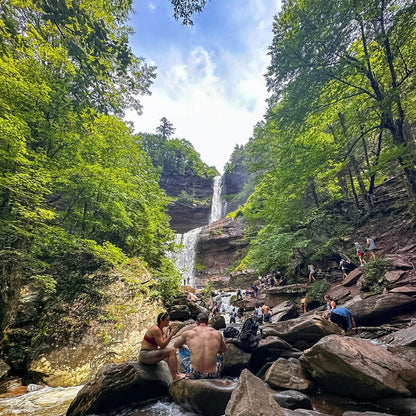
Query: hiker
[[371, 247], [330, 305], [304, 305], [266, 314], [311, 270], [345, 267], [360, 253], [233, 316], [239, 295], [343, 317], [154, 346], [201, 350], [258, 314]]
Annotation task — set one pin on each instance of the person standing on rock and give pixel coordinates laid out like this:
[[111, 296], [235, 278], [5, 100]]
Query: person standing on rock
[[360, 253], [345, 266], [267, 318], [154, 346], [371, 247], [311, 270], [201, 350]]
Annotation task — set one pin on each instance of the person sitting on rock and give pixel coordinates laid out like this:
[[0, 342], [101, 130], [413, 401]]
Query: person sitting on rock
[[343, 317], [239, 294], [201, 350], [154, 346]]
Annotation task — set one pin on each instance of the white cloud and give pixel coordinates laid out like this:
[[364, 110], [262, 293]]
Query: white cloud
[[213, 98], [152, 6]]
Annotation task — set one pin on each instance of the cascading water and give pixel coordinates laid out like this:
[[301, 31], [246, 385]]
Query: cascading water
[[185, 259], [218, 205]]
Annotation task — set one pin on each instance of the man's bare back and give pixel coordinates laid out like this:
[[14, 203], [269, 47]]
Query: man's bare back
[[204, 343]]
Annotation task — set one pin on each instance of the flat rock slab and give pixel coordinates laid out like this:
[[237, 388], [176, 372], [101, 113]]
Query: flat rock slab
[[207, 397], [352, 277]]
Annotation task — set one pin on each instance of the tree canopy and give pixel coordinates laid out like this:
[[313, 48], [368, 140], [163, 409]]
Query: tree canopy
[[341, 110], [76, 187]]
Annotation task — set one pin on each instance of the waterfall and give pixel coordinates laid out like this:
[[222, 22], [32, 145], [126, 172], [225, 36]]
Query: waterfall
[[218, 205], [185, 259]]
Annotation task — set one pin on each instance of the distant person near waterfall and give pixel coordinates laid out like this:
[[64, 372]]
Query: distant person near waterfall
[[154, 346], [201, 350]]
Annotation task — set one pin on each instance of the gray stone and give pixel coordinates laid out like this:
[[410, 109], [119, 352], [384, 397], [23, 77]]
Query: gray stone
[[116, 385], [356, 368], [252, 398], [353, 413], [235, 360], [291, 399], [207, 397], [305, 331], [378, 309], [404, 337], [287, 374]]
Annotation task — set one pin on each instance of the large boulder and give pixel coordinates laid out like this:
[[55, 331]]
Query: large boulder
[[378, 309], [287, 374], [252, 398], [284, 311], [352, 277], [305, 331], [291, 399], [356, 368], [119, 384], [217, 322], [270, 349], [235, 360], [404, 337], [180, 313], [206, 397]]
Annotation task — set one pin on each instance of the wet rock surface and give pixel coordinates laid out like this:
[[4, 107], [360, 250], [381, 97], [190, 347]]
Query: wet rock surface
[[118, 385], [206, 397]]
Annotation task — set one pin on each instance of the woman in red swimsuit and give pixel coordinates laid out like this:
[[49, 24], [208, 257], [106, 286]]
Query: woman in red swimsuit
[[154, 346]]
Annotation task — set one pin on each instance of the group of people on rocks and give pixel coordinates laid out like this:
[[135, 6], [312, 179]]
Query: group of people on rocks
[[262, 313], [201, 349]]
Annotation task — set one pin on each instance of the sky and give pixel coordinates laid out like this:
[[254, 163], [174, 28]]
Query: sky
[[210, 76]]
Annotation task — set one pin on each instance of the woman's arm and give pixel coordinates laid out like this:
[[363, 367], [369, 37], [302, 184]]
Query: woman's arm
[[161, 340]]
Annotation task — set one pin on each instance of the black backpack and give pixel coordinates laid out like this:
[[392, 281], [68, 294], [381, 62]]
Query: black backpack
[[248, 338], [231, 332]]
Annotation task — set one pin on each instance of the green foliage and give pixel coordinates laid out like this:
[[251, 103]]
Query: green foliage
[[374, 272], [77, 192], [175, 156], [168, 282], [184, 9], [340, 78], [317, 291], [207, 290]]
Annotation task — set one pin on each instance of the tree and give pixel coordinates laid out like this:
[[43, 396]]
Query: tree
[[184, 9], [166, 128], [364, 49]]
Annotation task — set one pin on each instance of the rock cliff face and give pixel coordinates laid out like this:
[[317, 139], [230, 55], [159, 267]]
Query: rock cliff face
[[193, 206], [234, 183], [220, 246]]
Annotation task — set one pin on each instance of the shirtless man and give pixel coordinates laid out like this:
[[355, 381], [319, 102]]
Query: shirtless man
[[200, 348]]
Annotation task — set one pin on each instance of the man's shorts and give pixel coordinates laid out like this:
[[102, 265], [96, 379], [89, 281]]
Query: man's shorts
[[185, 355]]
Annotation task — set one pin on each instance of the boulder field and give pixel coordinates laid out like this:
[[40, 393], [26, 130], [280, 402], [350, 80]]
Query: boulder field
[[293, 359]]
